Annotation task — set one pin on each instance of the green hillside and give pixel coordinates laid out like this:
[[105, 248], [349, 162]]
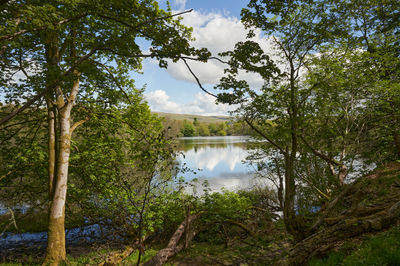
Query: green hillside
[[200, 118]]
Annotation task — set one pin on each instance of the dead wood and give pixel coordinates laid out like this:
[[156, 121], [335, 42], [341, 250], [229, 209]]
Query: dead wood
[[115, 258], [242, 226], [173, 247]]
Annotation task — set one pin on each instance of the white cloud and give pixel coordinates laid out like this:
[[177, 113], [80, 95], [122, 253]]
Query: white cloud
[[159, 101], [203, 104], [180, 4], [218, 33]]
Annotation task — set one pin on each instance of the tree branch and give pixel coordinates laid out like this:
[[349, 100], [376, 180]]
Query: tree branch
[[197, 79], [15, 34], [115, 80], [77, 124], [47, 89], [135, 27], [265, 136], [320, 154]]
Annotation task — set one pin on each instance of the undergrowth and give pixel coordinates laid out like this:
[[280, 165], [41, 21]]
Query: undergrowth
[[382, 249]]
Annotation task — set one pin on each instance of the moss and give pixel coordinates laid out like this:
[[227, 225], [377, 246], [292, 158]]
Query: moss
[[55, 252]]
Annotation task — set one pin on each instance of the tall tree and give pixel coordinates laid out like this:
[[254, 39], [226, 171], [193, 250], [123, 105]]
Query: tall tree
[[296, 29], [79, 52]]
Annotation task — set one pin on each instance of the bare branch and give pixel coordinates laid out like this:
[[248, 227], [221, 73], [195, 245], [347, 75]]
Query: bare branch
[[197, 79], [321, 155]]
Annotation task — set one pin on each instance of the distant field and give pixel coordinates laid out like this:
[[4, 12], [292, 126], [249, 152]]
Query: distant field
[[200, 118]]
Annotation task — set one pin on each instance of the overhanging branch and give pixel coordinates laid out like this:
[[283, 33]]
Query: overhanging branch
[[197, 79], [273, 143]]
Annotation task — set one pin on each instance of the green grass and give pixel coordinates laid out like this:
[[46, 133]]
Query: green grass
[[89, 258], [132, 259], [95, 258], [382, 249]]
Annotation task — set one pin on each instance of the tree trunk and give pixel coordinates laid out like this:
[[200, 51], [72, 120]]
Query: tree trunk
[[55, 252], [289, 214], [56, 233], [342, 174], [51, 119]]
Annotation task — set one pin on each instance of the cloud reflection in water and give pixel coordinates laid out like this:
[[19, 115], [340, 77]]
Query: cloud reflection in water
[[220, 160]]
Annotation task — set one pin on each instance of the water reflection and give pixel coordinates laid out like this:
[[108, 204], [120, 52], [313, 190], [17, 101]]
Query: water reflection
[[220, 160]]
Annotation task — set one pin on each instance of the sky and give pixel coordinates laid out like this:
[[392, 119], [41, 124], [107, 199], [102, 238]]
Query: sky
[[216, 26]]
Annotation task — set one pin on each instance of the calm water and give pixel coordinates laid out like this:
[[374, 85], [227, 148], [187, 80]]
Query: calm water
[[220, 160]]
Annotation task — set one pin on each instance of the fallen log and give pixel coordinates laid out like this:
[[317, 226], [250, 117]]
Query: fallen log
[[173, 248], [242, 226]]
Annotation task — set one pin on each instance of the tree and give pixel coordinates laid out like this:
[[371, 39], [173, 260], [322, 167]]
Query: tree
[[375, 29], [74, 54], [130, 165], [356, 80], [322, 98], [188, 129], [195, 122], [296, 28], [203, 129]]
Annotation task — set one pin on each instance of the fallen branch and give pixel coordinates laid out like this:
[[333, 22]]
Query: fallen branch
[[242, 226], [116, 258], [173, 248]]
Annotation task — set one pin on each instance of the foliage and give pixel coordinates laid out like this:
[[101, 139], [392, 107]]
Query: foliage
[[23, 159], [328, 81], [129, 163], [188, 129], [224, 206], [76, 56], [382, 249]]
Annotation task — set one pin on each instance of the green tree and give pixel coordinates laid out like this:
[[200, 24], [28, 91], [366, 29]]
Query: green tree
[[296, 29], [129, 166], [203, 130], [74, 54], [336, 77], [188, 129], [375, 29], [195, 122]]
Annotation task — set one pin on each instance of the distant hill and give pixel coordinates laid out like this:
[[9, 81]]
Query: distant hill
[[200, 118]]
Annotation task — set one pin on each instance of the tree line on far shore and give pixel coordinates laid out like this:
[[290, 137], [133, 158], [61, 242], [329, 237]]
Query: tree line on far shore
[[192, 128]]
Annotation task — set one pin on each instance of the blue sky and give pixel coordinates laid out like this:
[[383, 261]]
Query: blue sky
[[216, 26]]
